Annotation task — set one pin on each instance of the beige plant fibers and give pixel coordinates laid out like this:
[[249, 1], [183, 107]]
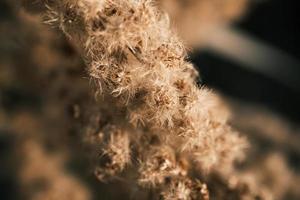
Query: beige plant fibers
[[138, 64], [151, 134], [194, 20]]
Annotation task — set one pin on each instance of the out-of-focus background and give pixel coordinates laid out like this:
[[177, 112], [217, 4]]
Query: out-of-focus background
[[252, 59], [273, 82]]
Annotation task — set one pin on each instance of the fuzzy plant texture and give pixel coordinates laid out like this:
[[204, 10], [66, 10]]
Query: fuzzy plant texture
[[66, 141], [154, 118]]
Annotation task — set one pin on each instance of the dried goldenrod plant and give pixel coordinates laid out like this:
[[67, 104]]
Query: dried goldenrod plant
[[140, 72], [152, 133]]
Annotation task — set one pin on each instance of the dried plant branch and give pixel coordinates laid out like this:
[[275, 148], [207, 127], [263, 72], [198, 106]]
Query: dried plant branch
[[140, 65], [146, 158]]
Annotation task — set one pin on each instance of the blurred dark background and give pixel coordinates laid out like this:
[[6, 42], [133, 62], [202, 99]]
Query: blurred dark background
[[277, 23]]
